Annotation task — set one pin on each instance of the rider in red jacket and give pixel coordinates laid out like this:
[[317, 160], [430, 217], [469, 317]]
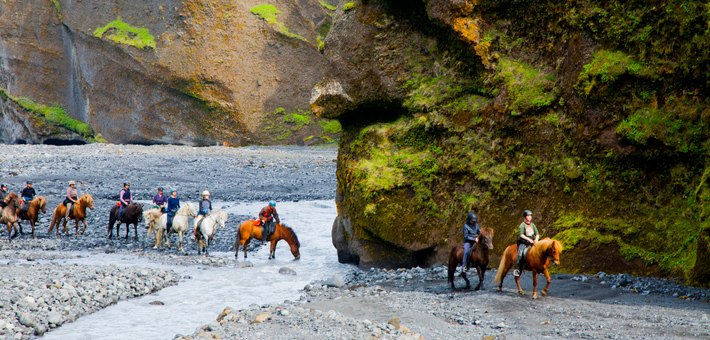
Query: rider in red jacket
[[267, 215]]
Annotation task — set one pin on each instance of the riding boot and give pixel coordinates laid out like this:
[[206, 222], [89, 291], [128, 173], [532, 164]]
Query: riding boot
[[466, 254], [69, 206], [519, 263]]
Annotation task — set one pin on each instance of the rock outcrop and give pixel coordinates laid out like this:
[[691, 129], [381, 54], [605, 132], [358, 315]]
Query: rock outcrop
[[192, 72], [587, 114]]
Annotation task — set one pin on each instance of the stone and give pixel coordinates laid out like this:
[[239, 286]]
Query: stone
[[224, 313], [334, 281], [287, 271], [247, 264], [261, 318], [26, 319], [214, 326], [40, 329], [394, 322], [54, 318], [285, 312], [156, 303]]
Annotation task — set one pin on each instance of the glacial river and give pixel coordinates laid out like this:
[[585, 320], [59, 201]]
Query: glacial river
[[198, 301]]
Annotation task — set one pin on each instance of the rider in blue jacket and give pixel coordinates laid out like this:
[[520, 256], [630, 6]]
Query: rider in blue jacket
[[173, 206], [471, 230]]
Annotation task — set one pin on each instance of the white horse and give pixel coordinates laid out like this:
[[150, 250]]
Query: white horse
[[156, 222], [181, 222], [207, 229]]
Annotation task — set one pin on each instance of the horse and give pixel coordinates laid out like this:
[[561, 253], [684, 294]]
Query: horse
[[181, 223], [37, 205], [8, 215], [78, 214], [249, 229], [479, 257], [132, 214], [157, 224], [537, 260], [205, 233]]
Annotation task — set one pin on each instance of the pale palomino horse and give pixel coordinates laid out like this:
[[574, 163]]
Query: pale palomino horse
[[208, 228], [181, 223], [156, 222]]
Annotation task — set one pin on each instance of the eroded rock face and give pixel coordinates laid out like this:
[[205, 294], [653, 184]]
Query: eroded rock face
[[209, 73], [496, 107], [19, 125]]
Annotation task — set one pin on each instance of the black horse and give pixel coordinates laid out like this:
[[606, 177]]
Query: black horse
[[132, 214]]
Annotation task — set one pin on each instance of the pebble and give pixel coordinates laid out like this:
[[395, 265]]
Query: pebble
[[287, 271]]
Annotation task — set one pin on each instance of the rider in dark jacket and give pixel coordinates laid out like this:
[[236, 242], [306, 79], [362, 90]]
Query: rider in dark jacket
[[27, 195], [173, 206], [267, 216], [3, 194], [204, 208], [471, 230], [125, 197]]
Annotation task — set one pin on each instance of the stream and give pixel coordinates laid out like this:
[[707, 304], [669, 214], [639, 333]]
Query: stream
[[198, 300]]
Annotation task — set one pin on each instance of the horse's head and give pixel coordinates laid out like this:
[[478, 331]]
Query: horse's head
[[42, 203], [87, 201], [293, 242], [138, 208], [485, 239], [222, 217], [12, 197], [191, 211], [553, 251]]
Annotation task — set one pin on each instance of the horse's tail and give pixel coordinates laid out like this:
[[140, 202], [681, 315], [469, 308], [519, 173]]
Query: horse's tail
[[502, 267], [54, 219]]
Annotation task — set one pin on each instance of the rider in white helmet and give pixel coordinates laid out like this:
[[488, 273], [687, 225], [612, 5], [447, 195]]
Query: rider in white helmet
[[204, 209]]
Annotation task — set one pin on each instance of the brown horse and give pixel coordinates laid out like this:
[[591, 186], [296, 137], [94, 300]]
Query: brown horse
[[537, 260], [250, 229], [78, 214], [8, 215], [37, 205], [132, 214], [479, 257]]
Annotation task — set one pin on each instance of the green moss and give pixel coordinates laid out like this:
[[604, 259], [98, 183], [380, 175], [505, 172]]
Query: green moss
[[52, 114], [674, 127], [268, 13], [606, 67], [58, 9], [123, 33], [528, 87], [348, 6], [327, 6], [331, 126]]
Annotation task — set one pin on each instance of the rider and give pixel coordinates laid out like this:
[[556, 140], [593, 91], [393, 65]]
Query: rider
[[203, 210], [160, 200], [3, 194], [267, 215], [173, 206], [471, 230], [125, 197], [71, 199], [27, 194], [528, 236]]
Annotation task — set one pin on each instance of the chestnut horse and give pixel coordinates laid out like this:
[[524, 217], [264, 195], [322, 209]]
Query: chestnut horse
[[8, 215], [250, 229], [537, 260], [79, 214], [479, 257], [37, 205]]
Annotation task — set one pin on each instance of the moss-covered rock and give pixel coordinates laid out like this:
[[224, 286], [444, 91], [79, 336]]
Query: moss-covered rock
[[579, 112]]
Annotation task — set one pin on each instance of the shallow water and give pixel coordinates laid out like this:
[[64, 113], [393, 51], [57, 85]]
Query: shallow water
[[197, 301]]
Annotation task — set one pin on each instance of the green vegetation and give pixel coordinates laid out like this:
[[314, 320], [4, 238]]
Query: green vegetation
[[673, 127], [123, 33], [331, 126], [529, 88], [58, 9], [268, 13], [606, 67], [55, 115], [282, 125], [348, 6], [327, 6]]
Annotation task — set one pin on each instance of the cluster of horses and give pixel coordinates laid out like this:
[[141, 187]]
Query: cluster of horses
[[155, 220], [538, 258]]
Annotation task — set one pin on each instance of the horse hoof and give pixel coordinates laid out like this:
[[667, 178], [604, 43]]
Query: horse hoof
[[535, 296], [521, 292], [544, 292]]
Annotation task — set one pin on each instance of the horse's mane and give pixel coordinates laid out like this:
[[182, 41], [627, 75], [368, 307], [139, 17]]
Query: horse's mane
[[12, 197], [294, 238], [86, 197], [487, 232], [543, 245]]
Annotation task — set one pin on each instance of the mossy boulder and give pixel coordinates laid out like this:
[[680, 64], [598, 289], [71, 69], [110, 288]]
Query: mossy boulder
[[546, 108]]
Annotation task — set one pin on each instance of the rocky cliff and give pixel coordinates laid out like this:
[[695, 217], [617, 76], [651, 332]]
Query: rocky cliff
[[593, 114], [171, 71]]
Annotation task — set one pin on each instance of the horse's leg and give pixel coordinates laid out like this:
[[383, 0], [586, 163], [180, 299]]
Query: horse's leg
[[534, 273], [481, 276], [180, 248], [128, 230], [135, 228], [517, 282], [76, 227], [83, 221], [32, 223], [547, 286], [19, 224], [465, 277], [14, 227], [246, 245], [272, 250]]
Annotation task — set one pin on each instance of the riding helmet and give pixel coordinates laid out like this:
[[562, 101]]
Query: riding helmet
[[4, 185], [126, 183], [472, 217], [205, 193], [29, 182], [272, 203], [173, 190], [160, 188], [526, 213], [72, 183]]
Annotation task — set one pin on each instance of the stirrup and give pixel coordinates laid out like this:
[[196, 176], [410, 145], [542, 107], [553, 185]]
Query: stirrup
[[516, 272]]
